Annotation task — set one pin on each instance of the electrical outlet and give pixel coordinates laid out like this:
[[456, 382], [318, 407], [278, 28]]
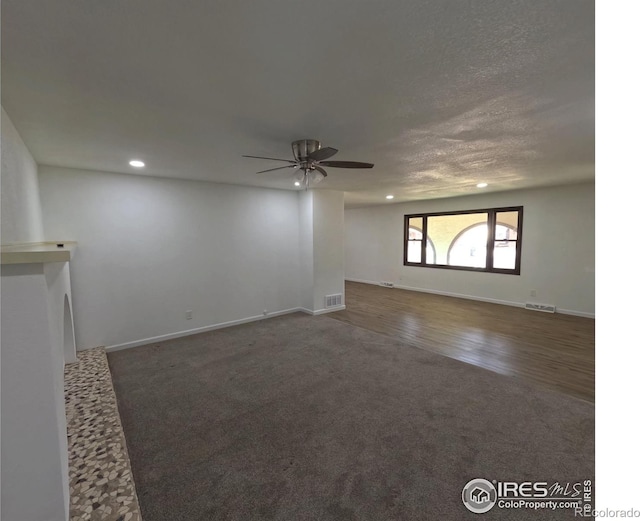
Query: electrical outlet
[[264, 312], [533, 293], [188, 314]]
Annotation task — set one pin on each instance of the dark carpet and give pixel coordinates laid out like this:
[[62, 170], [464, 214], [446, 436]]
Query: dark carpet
[[308, 418]]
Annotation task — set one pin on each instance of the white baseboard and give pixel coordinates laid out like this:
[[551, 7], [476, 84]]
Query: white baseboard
[[361, 281], [204, 329], [473, 297], [576, 313], [323, 311], [462, 295]]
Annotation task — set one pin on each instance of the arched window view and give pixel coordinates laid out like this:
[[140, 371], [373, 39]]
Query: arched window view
[[470, 247], [504, 247], [459, 240], [414, 252]]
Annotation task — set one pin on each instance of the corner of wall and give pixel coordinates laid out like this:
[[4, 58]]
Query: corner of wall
[[21, 208]]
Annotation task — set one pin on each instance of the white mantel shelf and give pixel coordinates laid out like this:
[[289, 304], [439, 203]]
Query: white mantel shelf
[[37, 252]]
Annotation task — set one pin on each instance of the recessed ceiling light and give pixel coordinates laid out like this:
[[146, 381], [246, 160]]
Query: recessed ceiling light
[[297, 183], [482, 185], [389, 196], [136, 163]]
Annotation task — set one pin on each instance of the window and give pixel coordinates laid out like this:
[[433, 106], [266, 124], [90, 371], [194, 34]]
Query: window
[[414, 247], [478, 240]]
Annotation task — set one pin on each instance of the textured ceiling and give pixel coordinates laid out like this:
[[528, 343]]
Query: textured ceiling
[[440, 95]]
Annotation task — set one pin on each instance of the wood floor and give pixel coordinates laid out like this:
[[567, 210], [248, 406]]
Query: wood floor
[[552, 350]]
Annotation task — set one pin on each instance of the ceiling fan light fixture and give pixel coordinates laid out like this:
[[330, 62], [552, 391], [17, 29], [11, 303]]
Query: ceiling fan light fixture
[[316, 177], [309, 161]]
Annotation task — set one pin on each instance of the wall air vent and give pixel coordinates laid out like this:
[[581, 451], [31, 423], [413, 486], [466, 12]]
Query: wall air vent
[[547, 308], [331, 301]]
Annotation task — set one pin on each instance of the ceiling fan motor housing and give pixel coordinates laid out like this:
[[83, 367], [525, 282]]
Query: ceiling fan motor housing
[[303, 147]]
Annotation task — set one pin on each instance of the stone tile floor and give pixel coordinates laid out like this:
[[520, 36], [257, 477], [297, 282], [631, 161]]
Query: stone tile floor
[[100, 479]]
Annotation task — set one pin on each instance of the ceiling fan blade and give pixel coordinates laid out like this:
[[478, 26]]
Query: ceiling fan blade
[[321, 170], [322, 153], [278, 168], [346, 164], [272, 159]]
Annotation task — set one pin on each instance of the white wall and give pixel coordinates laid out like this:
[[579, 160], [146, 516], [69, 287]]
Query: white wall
[[35, 478], [149, 249], [321, 248], [21, 213], [328, 245], [558, 253], [305, 206]]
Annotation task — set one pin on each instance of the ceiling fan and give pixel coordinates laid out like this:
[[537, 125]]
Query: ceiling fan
[[310, 159]]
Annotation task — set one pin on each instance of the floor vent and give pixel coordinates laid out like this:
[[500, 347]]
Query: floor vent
[[386, 284], [547, 308], [331, 301]]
